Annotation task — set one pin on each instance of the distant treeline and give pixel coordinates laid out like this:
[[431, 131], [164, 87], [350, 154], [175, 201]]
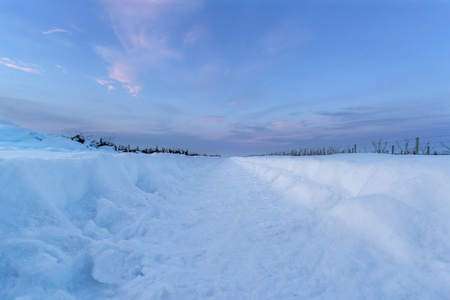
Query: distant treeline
[[109, 142], [406, 148], [308, 152]]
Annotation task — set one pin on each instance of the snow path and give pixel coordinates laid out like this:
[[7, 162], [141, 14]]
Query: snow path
[[89, 225], [227, 242]]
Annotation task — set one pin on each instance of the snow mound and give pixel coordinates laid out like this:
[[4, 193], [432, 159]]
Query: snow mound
[[16, 138], [396, 204], [77, 224]]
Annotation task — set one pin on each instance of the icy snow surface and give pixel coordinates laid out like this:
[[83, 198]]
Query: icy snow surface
[[77, 223]]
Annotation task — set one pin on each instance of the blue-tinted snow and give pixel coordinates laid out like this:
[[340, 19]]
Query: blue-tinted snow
[[87, 224]]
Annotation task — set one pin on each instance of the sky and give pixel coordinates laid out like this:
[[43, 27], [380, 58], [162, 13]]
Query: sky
[[227, 77]]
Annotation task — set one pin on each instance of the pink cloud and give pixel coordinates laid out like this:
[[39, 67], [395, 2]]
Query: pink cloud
[[19, 66], [125, 74], [55, 30], [106, 83], [141, 26], [122, 72], [103, 82], [121, 69], [213, 121], [282, 125], [133, 89]]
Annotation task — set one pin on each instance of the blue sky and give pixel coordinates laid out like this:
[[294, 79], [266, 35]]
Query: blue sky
[[227, 77]]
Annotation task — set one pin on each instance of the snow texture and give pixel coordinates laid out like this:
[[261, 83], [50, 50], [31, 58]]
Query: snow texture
[[77, 223]]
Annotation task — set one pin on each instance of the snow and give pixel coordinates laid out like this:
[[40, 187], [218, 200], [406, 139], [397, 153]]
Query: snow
[[78, 223]]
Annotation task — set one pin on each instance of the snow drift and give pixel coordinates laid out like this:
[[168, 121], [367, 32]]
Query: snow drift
[[77, 223]]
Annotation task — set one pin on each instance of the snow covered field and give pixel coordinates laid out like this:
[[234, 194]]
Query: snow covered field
[[77, 223]]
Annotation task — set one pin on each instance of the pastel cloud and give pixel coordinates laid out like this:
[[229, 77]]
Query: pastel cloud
[[211, 121], [388, 120], [133, 89], [191, 37], [205, 127], [283, 125], [254, 141], [55, 30], [138, 23], [29, 68], [142, 28], [288, 35], [103, 82], [122, 69], [61, 68]]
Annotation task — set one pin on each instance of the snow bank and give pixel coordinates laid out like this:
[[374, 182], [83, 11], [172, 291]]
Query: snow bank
[[385, 218], [319, 181], [68, 223], [15, 138], [77, 223]]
